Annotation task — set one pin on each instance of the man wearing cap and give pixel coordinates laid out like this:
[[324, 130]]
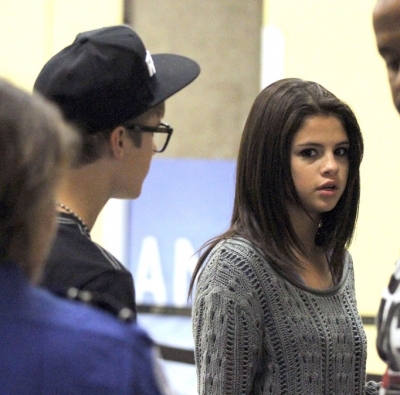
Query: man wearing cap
[[113, 90]]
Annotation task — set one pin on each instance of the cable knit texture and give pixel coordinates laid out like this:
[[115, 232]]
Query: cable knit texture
[[257, 333]]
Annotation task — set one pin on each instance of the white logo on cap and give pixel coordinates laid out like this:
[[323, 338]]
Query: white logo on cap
[[150, 64]]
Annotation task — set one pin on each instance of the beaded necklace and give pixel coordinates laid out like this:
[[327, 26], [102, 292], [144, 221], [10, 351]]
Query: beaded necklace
[[75, 215]]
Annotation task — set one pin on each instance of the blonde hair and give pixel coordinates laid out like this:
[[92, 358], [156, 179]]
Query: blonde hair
[[36, 145]]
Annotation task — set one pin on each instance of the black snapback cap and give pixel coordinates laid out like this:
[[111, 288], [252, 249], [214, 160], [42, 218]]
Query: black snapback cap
[[106, 77]]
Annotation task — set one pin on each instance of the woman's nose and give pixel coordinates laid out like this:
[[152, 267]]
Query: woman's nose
[[330, 164]]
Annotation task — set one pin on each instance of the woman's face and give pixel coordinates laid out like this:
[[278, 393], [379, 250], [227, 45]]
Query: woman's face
[[320, 163]]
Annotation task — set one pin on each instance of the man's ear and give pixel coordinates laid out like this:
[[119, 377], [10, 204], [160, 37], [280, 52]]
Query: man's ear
[[117, 141]]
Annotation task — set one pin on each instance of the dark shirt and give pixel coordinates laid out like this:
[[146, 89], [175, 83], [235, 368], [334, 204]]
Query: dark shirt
[[76, 261]]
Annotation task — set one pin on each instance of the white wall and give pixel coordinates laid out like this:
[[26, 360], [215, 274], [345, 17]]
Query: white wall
[[32, 31], [329, 41]]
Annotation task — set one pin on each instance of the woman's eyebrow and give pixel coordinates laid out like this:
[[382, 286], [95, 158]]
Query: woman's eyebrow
[[315, 144]]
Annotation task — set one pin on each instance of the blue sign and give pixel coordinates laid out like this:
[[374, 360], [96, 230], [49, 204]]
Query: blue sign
[[184, 203]]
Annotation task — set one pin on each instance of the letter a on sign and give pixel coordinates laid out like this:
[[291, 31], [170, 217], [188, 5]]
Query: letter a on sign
[[149, 280]]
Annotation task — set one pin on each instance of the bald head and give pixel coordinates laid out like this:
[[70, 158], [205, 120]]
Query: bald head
[[386, 20], [386, 14]]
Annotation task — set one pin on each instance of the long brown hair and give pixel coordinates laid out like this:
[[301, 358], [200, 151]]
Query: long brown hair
[[264, 182]]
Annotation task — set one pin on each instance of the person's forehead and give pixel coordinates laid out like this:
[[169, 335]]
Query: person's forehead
[[158, 110], [386, 15], [386, 18]]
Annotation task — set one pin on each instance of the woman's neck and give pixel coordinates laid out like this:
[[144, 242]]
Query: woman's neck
[[315, 270], [305, 227]]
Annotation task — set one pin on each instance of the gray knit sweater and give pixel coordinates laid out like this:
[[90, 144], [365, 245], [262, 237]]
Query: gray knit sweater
[[257, 333]]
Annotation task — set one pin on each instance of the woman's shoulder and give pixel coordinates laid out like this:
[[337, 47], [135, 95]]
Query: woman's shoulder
[[233, 260], [233, 272], [237, 246], [241, 259], [234, 252]]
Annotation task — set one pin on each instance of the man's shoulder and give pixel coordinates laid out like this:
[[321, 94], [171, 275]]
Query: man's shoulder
[[76, 261], [81, 316], [74, 254], [70, 234], [67, 339]]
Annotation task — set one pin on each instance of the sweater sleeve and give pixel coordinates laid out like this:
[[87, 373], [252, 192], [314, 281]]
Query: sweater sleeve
[[226, 346], [227, 332]]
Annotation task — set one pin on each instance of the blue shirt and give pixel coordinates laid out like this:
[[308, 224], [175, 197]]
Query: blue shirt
[[50, 345]]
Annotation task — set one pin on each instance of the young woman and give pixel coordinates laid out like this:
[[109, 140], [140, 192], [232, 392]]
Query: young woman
[[274, 309]]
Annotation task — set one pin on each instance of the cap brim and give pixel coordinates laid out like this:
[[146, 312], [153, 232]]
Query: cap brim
[[173, 72]]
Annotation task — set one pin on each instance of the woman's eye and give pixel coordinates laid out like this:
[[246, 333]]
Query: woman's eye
[[341, 151], [308, 152]]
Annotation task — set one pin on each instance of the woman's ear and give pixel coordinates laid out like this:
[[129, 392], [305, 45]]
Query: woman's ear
[[118, 141]]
